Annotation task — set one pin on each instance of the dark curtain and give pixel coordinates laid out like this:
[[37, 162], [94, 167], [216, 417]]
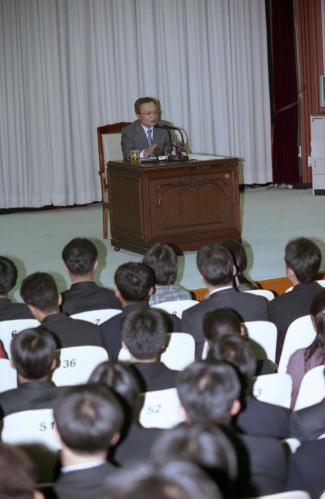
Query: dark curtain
[[285, 104]]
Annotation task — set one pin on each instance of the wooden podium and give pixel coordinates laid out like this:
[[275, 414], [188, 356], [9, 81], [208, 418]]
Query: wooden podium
[[185, 204]]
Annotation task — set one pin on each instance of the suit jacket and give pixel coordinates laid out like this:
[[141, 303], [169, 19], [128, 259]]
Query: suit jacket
[[286, 308], [111, 330], [69, 332], [84, 296], [83, 484], [134, 137], [10, 310], [155, 376], [308, 423], [32, 395], [136, 445], [306, 468], [248, 306]]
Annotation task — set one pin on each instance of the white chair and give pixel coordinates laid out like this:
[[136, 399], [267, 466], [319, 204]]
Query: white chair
[[293, 494], [273, 389], [8, 329], [161, 409], [269, 295], [312, 388], [321, 436], [8, 375], [292, 443], [300, 334], [323, 495], [77, 364], [180, 351], [176, 307], [265, 334], [96, 317]]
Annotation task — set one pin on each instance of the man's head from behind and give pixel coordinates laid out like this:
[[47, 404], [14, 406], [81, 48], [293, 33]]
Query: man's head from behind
[[33, 353], [163, 261], [39, 291], [302, 258], [144, 331], [216, 265], [221, 322], [8, 275], [80, 256], [88, 419], [209, 391], [134, 282]]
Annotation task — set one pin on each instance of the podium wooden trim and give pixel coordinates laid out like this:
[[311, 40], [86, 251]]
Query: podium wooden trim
[[184, 204]]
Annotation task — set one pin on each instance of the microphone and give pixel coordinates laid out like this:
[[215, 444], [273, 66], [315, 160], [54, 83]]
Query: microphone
[[167, 127]]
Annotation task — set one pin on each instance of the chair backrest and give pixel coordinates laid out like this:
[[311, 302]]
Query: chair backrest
[[96, 317], [300, 334], [8, 329], [77, 363], [205, 350], [111, 150], [180, 351], [8, 375], [261, 292], [312, 388], [176, 307], [273, 388], [264, 333], [161, 409], [294, 494]]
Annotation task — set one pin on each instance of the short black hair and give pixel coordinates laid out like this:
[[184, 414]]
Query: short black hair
[[8, 275], [18, 474], [207, 390], [143, 100], [144, 331], [33, 352], [238, 253], [87, 417], [80, 256], [134, 281], [163, 261], [220, 322], [216, 264], [303, 257], [39, 289]]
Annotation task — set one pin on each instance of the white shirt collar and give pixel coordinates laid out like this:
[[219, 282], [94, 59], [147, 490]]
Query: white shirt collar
[[82, 466], [220, 289]]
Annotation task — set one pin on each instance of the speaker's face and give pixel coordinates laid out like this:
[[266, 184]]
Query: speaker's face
[[148, 114]]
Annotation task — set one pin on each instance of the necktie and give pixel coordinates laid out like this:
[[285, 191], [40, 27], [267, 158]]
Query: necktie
[[149, 132]]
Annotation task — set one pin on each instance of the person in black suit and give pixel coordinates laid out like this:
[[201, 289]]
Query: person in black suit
[[144, 134], [80, 261], [216, 267], [302, 258], [8, 277], [33, 356], [308, 423], [144, 334], [209, 391], [41, 295], [134, 285], [88, 419]]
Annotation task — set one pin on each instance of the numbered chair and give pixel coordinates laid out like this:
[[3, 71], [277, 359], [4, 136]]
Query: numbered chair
[[161, 409], [8, 375], [180, 351], [273, 389], [176, 307], [8, 329], [96, 317], [264, 333], [300, 334], [77, 363], [266, 293], [312, 388]]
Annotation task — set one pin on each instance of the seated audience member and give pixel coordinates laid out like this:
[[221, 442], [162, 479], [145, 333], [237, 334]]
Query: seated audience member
[[33, 355], [209, 392], [205, 445], [308, 423], [241, 281], [163, 261], [302, 258], [217, 269], [8, 277], [17, 474], [255, 417], [144, 334], [41, 295], [173, 480], [88, 420], [80, 261], [135, 442], [304, 359], [134, 285]]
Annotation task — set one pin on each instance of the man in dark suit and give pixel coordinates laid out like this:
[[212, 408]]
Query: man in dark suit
[[8, 277], [302, 258], [308, 423], [88, 419], [33, 356], [134, 285], [209, 392], [144, 134], [80, 261], [216, 267], [41, 295]]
